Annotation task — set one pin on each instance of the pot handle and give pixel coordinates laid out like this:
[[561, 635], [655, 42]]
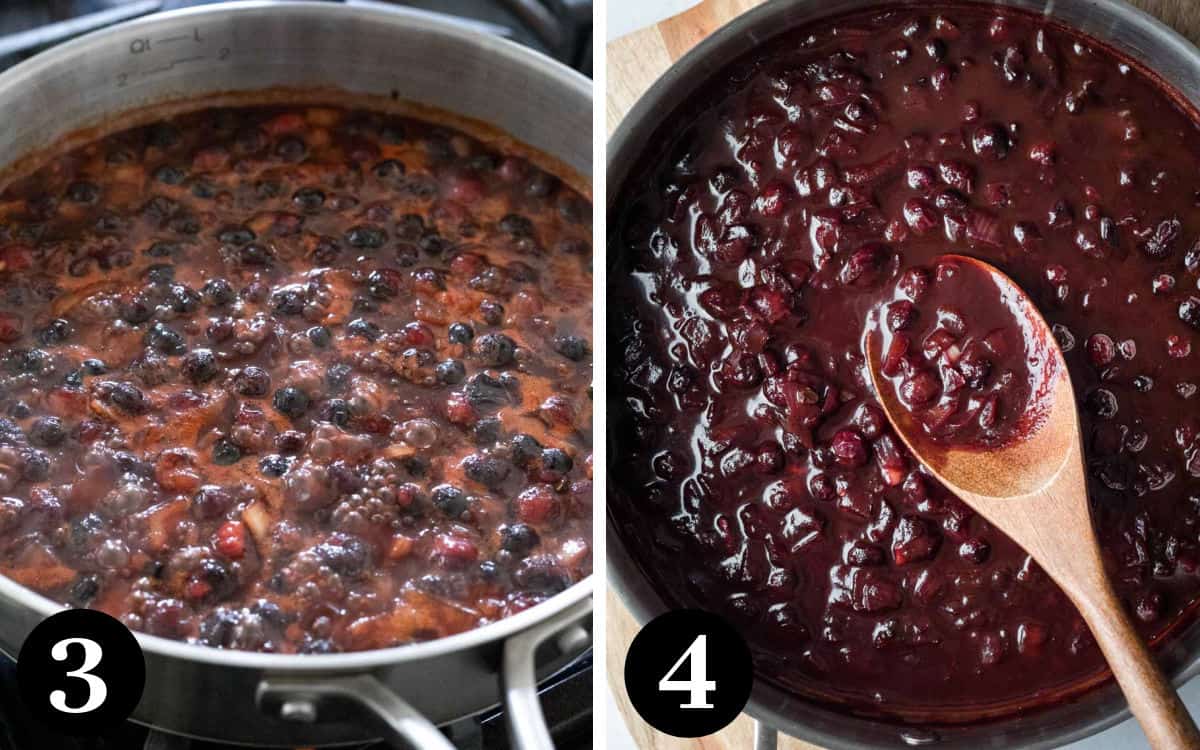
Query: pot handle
[[522, 709], [303, 700], [765, 736]]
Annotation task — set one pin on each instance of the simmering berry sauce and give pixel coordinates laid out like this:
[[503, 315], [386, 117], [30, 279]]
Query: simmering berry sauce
[[295, 379], [795, 193], [961, 357]]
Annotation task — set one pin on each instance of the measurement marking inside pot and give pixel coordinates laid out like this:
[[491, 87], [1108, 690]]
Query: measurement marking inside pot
[[171, 39], [124, 78]]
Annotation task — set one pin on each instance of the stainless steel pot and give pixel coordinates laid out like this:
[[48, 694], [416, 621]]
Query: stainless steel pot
[[400, 693], [1126, 29]]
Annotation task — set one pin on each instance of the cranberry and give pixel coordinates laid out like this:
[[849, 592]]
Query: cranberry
[[900, 315], [1189, 312], [974, 551], [919, 216], [849, 448], [1178, 346], [990, 141], [914, 283], [1101, 350], [919, 389]]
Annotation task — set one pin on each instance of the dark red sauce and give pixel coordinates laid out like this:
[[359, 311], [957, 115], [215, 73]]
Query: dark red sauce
[[793, 195], [961, 357], [295, 379]]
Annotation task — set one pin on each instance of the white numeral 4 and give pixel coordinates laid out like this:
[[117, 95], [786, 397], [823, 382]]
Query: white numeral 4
[[697, 685], [97, 690]]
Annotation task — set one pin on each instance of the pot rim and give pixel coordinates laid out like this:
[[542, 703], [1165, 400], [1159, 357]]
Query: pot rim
[[24, 73], [769, 704]]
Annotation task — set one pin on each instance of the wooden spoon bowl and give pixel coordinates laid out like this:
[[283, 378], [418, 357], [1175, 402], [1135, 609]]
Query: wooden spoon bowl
[[1033, 488]]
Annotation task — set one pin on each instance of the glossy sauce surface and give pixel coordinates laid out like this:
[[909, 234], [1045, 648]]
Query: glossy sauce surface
[[295, 379], [960, 357], [793, 195]]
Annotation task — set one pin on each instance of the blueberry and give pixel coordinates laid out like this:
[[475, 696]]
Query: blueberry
[[1189, 311], [451, 372], [291, 149], [363, 328], [486, 470], [204, 189], [346, 555], [525, 448], [460, 333], [94, 367], [308, 199], [337, 376], [320, 336], [288, 301], [212, 501], [169, 175], [218, 292], [162, 136], [495, 349], [125, 396], [433, 243], [36, 467], [160, 273], [137, 310], [556, 461], [273, 465], [389, 169], [365, 236], [573, 348], [291, 402], [254, 255], [165, 339], [252, 382], [382, 285], [56, 332], [73, 379], [492, 312], [84, 589], [183, 299], [417, 466], [516, 225], [200, 366], [83, 192], [483, 390], [486, 431], [337, 411], [47, 432], [226, 453], [450, 500], [518, 538]]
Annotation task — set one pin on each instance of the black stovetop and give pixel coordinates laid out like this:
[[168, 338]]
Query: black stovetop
[[559, 28], [566, 699]]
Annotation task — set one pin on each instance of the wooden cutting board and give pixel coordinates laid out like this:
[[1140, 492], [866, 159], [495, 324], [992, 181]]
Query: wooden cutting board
[[635, 61]]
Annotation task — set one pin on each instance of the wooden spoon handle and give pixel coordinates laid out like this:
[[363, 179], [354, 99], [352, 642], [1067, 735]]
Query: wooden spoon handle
[[1153, 701]]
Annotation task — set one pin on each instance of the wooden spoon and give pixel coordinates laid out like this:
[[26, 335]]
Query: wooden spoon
[[1033, 489]]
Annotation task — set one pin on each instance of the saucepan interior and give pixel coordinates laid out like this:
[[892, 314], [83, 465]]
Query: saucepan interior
[[304, 52]]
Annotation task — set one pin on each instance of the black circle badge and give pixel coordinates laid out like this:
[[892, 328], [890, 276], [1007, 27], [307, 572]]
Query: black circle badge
[[81, 671], [688, 673]]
